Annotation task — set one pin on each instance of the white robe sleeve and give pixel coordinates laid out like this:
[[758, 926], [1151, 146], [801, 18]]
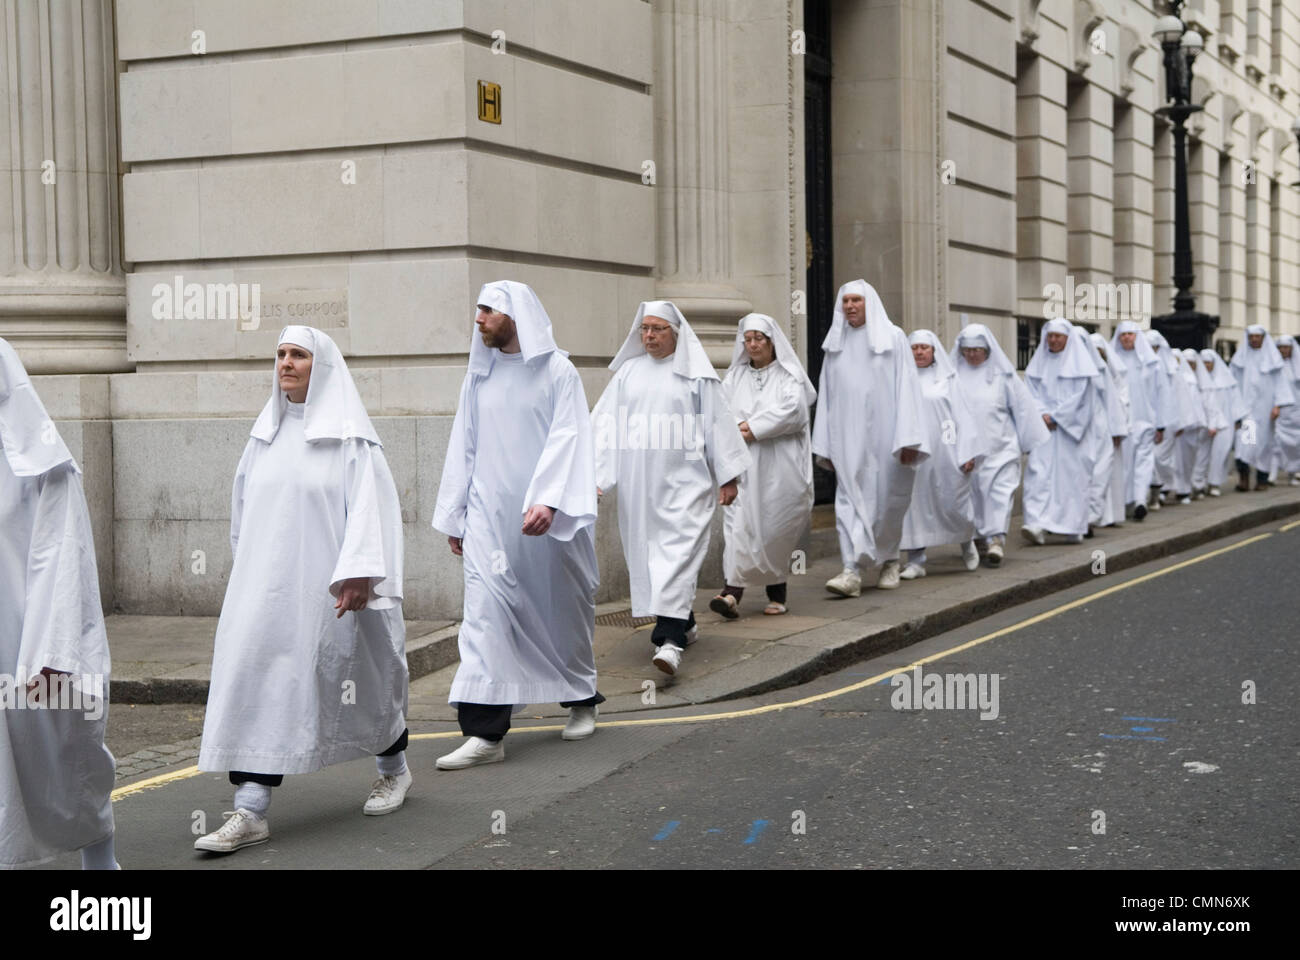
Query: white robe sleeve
[[1026, 414], [1116, 419], [972, 441], [63, 623], [788, 415], [604, 419], [457, 468], [821, 435], [909, 401], [565, 478], [1072, 406], [723, 444], [362, 553], [237, 492], [1283, 396]]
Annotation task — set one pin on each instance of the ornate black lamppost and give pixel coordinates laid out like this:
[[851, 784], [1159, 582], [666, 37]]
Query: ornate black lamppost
[[1186, 326]]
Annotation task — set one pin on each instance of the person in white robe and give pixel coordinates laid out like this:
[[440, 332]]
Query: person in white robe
[[1266, 389], [770, 395], [1286, 448], [1013, 422], [1062, 376], [869, 430], [56, 775], [1147, 408], [1197, 452], [1106, 434], [1188, 439], [518, 504], [942, 509], [1109, 484], [667, 440], [309, 667], [1225, 400], [1179, 415]]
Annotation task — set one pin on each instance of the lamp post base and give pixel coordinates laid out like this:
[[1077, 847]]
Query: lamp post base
[[1187, 328]]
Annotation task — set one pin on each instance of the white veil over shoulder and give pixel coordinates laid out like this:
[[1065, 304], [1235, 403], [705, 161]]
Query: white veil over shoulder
[[532, 323], [879, 335], [690, 359], [785, 354], [32, 444]]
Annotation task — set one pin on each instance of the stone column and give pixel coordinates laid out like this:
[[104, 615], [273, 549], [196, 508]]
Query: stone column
[[62, 290], [1232, 244], [1133, 195], [1091, 185], [1041, 183], [694, 203], [1203, 207]]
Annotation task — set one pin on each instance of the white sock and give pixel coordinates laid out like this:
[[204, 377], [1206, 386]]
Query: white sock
[[253, 797], [100, 856], [393, 766]]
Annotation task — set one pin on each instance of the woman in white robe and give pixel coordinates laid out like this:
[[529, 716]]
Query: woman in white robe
[[1062, 377], [1012, 421], [1286, 448], [942, 508], [770, 395], [1106, 496], [1258, 369], [1147, 409], [56, 775], [1215, 422], [1178, 415], [309, 667], [1188, 442], [1224, 399]]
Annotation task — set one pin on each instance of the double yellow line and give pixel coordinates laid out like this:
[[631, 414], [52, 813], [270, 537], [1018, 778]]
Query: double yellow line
[[187, 772]]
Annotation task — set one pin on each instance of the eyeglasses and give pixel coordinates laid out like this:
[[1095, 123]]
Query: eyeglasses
[[648, 328]]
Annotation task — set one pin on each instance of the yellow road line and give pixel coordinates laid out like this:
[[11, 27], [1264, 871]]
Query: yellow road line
[[1291, 526], [165, 778]]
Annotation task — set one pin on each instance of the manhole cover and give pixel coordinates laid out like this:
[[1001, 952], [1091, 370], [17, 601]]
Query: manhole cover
[[622, 618]]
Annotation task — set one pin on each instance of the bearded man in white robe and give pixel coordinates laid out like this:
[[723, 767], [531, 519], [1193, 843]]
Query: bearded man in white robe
[[870, 431], [56, 775], [309, 665], [1012, 420], [1259, 370], [518, 504], [942, 508], [1106, 496], [667, 440], [1287, 427], [1062, 377], [1147, 409], [769, 393], [1224, 399]]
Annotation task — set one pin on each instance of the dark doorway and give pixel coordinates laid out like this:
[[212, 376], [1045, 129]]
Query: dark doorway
[[817, 194]]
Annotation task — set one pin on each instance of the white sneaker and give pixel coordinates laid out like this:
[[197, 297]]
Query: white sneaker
[[994, 556], [472, 752], [582, 723], [1294, 481], [1185, 499], [890, 575], [1033, 535], [243, 829], [970, 555], [912, 571], [1215, 492], [847, 584], [668, 658], [387, 794]]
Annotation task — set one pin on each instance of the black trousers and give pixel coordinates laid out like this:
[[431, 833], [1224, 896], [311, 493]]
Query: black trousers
[[775, 592], [1243, 471], [491, 721], [672, 630], [275, 779]]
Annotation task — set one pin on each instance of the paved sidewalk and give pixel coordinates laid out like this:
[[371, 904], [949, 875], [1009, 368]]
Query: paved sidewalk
[[167, 659]]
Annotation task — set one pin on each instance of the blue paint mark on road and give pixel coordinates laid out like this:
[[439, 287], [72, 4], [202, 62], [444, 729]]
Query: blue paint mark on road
[[713, 830], [1151, 719], [755, 829], [1113, 736], [1141, 729], [669, 827]]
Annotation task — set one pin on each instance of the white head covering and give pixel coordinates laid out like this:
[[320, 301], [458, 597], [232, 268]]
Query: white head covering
[[877, 327], [943, 366], [1074, 361], [1264, 360], [1112, 361], [978, 335], [31, 442], [532, 324], [785, 354], [1221, 375], [1293, 364], [334, 408], [1166, 354], [1141, 346], [1192, 358], [689, 360]]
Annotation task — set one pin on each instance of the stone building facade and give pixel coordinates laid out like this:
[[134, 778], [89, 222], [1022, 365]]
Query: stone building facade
[[365, 165]]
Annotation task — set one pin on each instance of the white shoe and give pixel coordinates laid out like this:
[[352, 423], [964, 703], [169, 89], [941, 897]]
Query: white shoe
[[243, 829], [387, 794], [890, 575], [1184, 500], [912, 571], [1215, 492], [1155, 504], [847, 584], [994, 556], [1033, 535], [582, 723], [1294, 482], [668, 658], [472, 752], [970, 555]]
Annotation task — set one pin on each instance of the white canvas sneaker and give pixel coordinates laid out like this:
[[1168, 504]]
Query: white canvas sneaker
[[668, 658], [582, 723], [1215, 492], [846, 584], [472, 752], [890, 575], [387, 794], [1033, 535], [912, 571], [970, 555], [243, 829], [994, 556]]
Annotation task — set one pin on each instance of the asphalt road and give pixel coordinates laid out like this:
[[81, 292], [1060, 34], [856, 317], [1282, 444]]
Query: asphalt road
[[1121, 740]]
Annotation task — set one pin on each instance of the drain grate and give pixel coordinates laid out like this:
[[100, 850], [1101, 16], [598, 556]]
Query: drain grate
[[622, 618]]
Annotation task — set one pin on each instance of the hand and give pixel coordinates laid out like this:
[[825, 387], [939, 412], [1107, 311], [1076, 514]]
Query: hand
[[1047, 419], [1117, 441], [1213, 432], [599, 493], [824, 464], [746, 432], [1160, 436], [909, 455], [353, 595], [1275, 413], [968, 466], [537, 520], [455, 544], [34, 685], [727, 493], [1178, 433]]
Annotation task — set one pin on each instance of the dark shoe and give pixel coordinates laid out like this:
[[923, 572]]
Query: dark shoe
[[1140, 512], [724, 604]]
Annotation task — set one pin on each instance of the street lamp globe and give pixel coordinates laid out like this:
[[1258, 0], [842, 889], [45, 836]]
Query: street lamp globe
[[1193, 43], [1168, 29]]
